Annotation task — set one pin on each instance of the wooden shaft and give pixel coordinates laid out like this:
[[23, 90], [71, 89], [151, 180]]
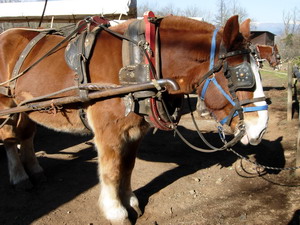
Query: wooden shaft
[[113, 92]]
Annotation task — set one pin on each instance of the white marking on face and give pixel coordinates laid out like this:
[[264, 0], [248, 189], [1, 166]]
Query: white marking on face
[[255, 127]]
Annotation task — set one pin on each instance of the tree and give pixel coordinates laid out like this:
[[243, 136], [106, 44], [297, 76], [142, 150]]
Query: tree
[[189, 11], [222, 13], [290, 21], [226, 9], [290, 40]]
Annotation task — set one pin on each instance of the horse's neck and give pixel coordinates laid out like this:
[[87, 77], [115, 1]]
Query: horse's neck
[[191, 65]]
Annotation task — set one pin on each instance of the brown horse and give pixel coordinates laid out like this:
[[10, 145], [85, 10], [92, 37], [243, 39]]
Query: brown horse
[[185, 47], [269, 53]]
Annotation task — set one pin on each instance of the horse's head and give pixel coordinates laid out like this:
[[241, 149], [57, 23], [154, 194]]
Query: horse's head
[[277, 57], [271, 54], [219, 64]]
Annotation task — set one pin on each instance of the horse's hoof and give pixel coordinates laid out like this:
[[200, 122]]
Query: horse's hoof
[[138, 212], [24, 185]]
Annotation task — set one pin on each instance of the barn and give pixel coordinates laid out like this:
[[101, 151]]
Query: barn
[[262, 38]]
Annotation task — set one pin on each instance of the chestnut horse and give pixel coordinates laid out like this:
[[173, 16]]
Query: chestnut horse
[[269, 53], [185, 49]]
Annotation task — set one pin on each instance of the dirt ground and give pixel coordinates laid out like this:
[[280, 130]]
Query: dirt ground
[[175, 184]]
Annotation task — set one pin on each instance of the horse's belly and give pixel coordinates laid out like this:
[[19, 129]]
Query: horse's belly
[[60, 121]]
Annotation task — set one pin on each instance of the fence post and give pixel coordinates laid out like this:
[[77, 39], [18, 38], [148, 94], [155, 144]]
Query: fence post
[[290, 93], [297, 172]]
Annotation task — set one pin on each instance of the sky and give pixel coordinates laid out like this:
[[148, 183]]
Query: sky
[[264, 11]]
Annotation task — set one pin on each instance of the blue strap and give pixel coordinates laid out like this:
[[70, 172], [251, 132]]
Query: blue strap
[[211, 62], [213, 49], [255, 108], [222, 91], [246, 109], [223, 121], [205, 86], [204, 89]]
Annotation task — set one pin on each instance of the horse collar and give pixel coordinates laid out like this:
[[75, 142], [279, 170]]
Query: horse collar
[[141, 57]]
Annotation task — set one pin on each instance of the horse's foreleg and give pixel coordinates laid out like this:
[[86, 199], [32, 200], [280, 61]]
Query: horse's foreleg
[[109, 159], [116, 162], [127, 196]]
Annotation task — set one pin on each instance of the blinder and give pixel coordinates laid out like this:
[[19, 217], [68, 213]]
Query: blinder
[[242, 76], [278, 56]]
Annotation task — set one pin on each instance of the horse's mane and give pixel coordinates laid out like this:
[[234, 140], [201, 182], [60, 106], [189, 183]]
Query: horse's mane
[[184, 23], [173, 22]]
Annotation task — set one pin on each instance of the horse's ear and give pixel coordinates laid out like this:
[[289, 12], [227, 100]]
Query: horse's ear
[[231, 31], [245, 29]]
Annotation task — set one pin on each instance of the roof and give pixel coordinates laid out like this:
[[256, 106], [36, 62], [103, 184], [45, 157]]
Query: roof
[[261, 32], [56, 8]]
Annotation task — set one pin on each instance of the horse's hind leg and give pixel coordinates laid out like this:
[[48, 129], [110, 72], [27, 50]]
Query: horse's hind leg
[[30, 161], [20, 130], [17, 173], [26, 131]]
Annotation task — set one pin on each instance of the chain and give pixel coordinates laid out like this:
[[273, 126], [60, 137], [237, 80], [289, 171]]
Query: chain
[[53, 109], [262, 166]]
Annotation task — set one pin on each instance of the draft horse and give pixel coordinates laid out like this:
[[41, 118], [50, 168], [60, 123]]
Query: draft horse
[[184, 55], [269, 53]]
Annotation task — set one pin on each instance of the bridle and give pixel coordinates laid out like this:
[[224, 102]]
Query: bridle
[[239, 77]]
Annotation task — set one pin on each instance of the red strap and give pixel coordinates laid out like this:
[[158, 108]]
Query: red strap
[[150, 31], [150, 37]]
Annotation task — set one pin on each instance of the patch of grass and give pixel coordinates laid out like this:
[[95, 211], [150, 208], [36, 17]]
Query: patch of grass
[[273, 73]]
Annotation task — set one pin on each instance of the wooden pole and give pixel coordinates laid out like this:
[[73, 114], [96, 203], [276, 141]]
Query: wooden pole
[[107, 93], [297, 172], [290, 93]]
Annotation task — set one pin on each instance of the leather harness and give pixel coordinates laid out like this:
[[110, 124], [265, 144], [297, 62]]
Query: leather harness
[[140, 64], [77, 56]]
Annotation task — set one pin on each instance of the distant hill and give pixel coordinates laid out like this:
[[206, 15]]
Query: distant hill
[[275, 28]]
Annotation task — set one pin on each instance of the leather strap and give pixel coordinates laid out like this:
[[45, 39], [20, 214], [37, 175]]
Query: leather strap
[[21, 59]]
